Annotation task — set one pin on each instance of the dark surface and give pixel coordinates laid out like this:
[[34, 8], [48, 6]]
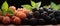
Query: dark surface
[[18, 3]]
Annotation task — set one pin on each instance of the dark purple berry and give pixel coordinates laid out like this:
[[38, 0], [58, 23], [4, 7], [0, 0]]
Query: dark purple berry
[[33, 21], [36, 14], [53, 21], [57, 13], [50, 11], [52, 15], [41, 11], [51, 8], [25, 21], [46, 17], [58, 19], [45, 9], [41, 21], [29, 16]]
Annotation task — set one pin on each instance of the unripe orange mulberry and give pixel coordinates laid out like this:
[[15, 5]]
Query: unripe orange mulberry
[[13, 8], [1, 18], [16, 20], [6, 20], [21, 15]]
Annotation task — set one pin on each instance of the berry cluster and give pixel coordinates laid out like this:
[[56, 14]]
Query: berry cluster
[[29, 15], [43, 16], [19, 15], [36, 17]]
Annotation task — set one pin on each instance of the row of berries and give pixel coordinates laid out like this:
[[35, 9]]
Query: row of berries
[[23, 16], [46, 16], [42, 16]]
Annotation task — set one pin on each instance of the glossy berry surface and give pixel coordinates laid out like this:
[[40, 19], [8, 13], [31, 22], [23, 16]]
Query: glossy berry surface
[[52, 15], [45, 9], [57, 13], [53, 21], [29, 16], [41, 11], [58, 19], [41, 21], [33, 21], [36, 14], [25, 21]]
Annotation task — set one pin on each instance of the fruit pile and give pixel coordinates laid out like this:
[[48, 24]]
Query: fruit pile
[[19, 14], [10, 15], [29, 15]]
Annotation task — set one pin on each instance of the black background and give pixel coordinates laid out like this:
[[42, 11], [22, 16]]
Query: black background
[[18, 3]]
